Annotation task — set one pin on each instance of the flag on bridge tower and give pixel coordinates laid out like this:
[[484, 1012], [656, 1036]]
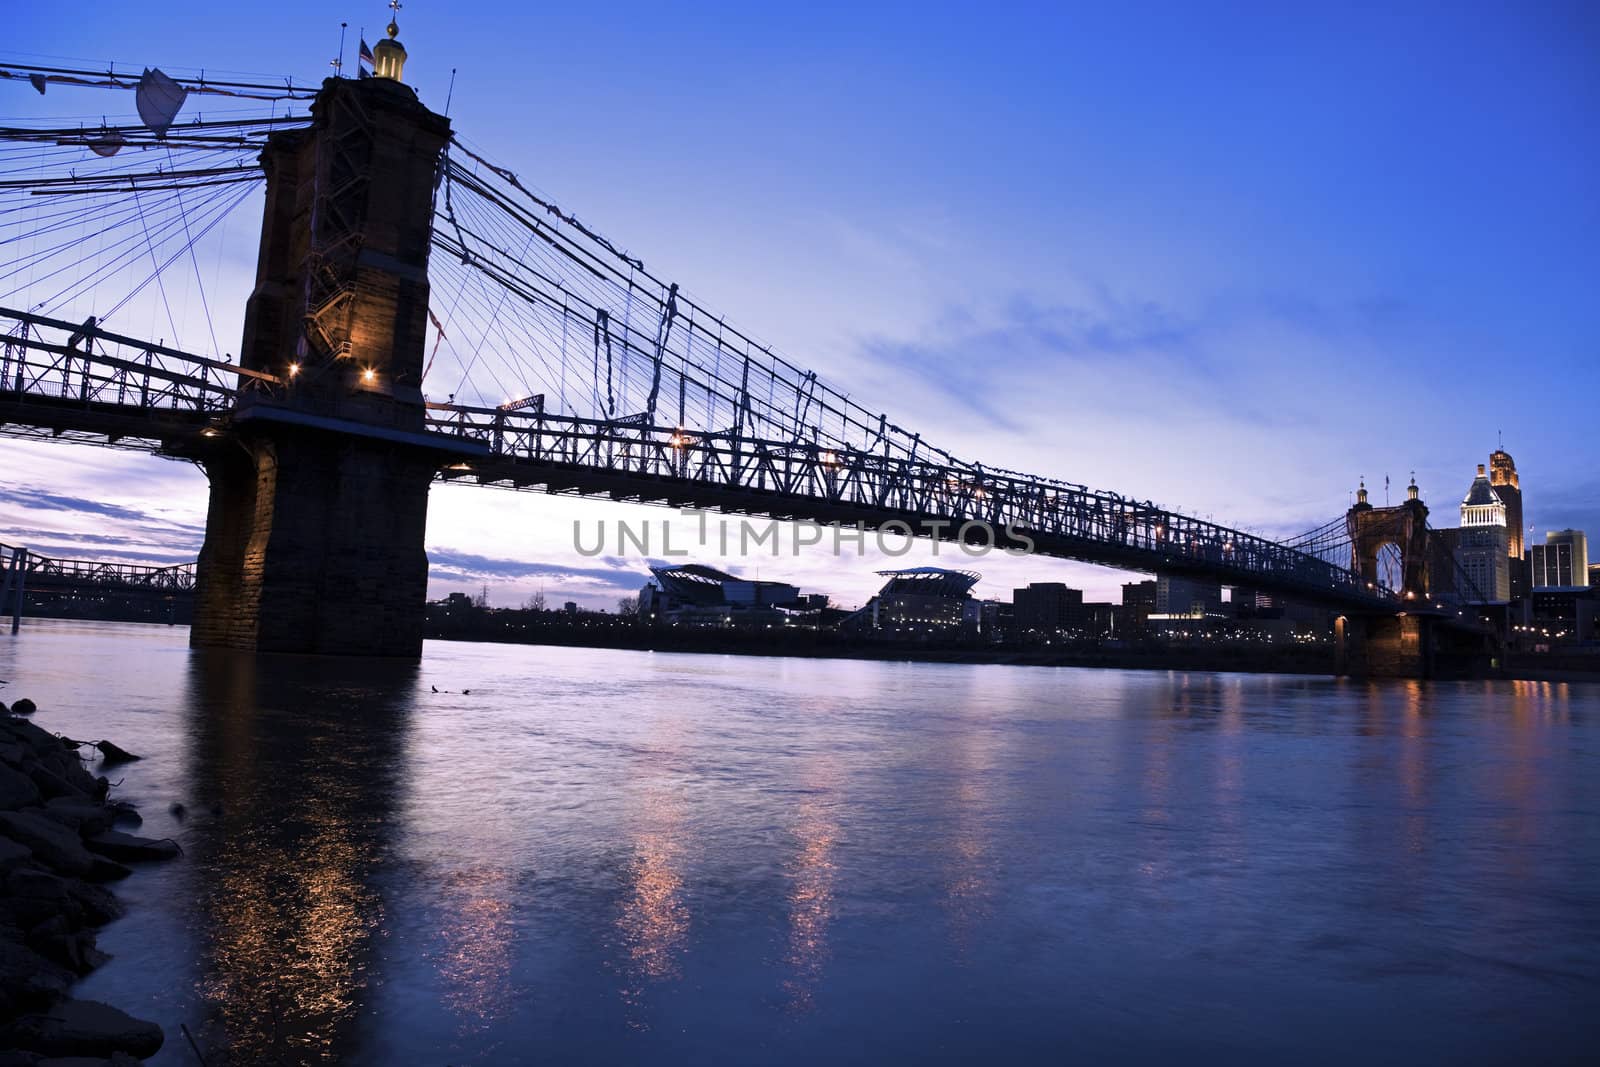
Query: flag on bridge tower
[[364, 59]]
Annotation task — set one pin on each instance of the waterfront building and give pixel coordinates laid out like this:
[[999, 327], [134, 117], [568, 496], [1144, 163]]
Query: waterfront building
[[996, 619], [1045, 606], [693, 594], [918, 604], [1480, 551], [1187, 596], [1558, 617], [1138, 601], [1562, 562]]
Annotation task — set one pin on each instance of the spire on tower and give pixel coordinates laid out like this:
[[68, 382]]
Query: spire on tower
[[389, 56]]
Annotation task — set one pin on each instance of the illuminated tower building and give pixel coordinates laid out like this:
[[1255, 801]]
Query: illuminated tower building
[[1503, 478], [1481, 551]]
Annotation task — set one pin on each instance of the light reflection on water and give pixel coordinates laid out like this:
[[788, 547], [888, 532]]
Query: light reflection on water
[[653, 925], [477, 927], [290, 782], [608, 856], [810, 899]]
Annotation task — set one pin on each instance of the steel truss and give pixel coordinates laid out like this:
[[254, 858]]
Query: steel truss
[[48, 572]]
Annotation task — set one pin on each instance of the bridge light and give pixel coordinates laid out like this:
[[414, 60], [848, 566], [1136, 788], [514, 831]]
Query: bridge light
[[369, 375], [294, 369]]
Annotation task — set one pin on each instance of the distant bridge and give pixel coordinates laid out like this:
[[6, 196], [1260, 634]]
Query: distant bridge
[[56, 579]]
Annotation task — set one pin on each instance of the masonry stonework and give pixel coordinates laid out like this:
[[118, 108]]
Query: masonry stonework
[[319, 498]]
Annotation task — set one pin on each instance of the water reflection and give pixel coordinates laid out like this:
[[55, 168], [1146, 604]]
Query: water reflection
[[811, 892], [970, 873], [291, 785], [653, 922], [477, 910]]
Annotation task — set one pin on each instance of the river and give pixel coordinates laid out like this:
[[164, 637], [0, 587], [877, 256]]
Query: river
[[605, 856]]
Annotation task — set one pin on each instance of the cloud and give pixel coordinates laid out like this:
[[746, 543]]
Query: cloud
[[46, 501], [451, 564], [1575, 506]]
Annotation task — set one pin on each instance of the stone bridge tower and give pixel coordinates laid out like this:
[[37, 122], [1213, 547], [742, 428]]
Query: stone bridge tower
[[1405, 526], [1404, 643], [314, 535]]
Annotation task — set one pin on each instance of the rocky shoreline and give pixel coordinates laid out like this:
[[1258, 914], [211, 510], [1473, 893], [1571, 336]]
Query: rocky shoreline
[[60, 847]]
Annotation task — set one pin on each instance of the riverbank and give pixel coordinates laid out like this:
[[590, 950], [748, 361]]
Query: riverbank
[[59, 849], [1576, 667], [807, 644]]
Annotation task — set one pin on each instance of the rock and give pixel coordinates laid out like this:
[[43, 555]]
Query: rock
[[17, 790], [41, 885], [110, 754], [30, 735], [66, 762], [51, 927], [52, 784], [53, 844], [84, 816], [29, 913], [131, 849], [12, 751], [104, 870], [24, 707], [125, 814], [11, 853], [28, 977], [75, 951], [84, 1028], [99, 906]]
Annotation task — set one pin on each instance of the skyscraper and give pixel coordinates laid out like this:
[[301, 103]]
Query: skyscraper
[[1481, 551], [1503, 478]]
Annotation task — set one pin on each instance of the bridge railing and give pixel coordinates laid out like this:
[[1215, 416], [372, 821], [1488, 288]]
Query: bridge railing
[[1010, 505], [175, 578], [48, 360]]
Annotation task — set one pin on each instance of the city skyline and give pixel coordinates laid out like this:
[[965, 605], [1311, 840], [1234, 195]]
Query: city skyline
[[1348, 329]]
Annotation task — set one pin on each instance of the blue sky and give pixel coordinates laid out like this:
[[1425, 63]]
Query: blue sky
[[1225, 259]]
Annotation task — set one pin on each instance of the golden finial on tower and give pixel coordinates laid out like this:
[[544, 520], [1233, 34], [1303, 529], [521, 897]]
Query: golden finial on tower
[[389, 56]]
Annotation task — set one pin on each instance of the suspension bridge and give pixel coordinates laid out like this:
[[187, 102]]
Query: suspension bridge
[[421, 313]]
